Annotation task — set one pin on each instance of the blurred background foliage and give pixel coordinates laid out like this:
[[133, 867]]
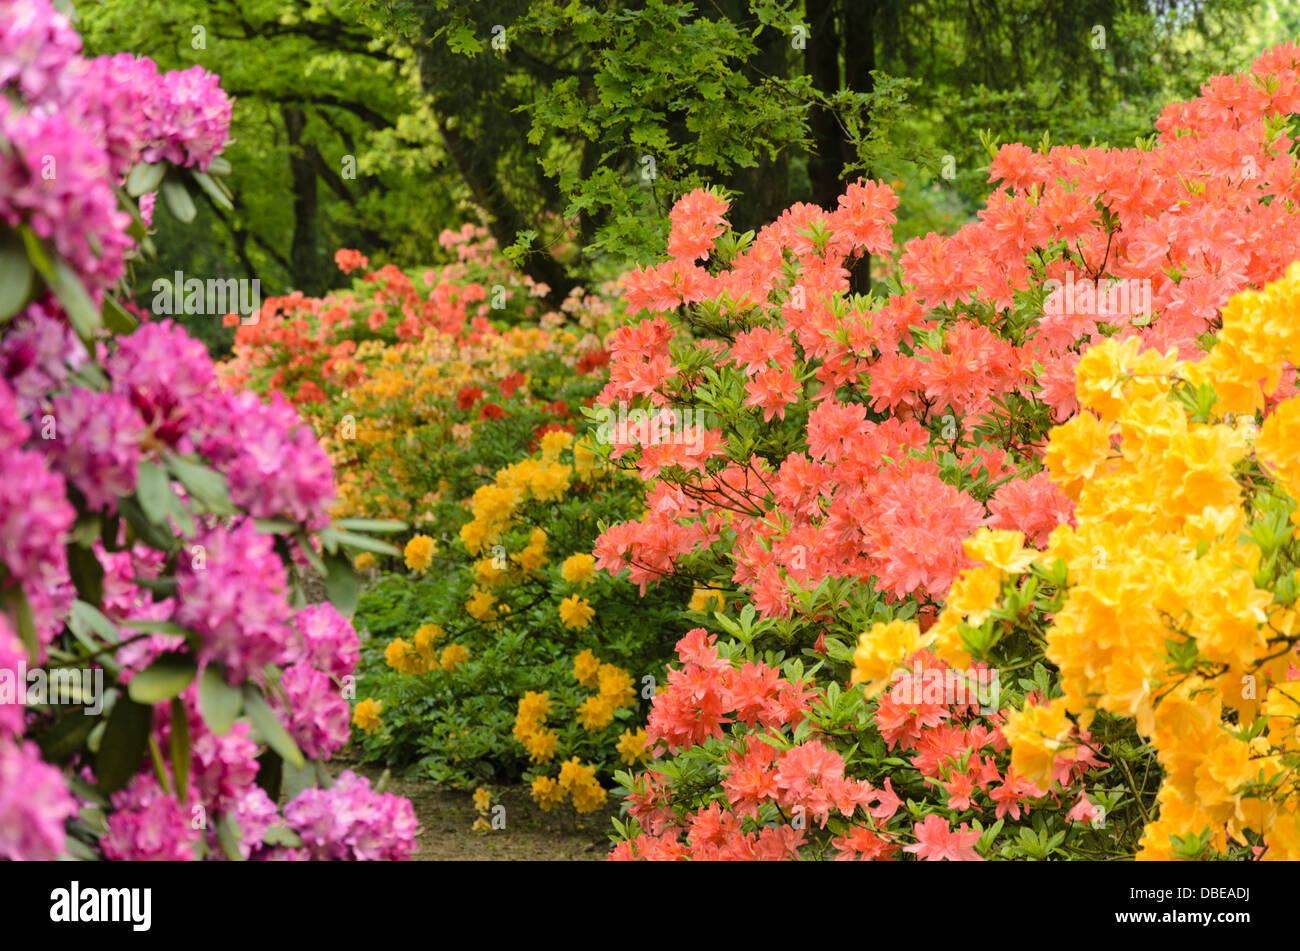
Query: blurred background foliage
[[569, 128]]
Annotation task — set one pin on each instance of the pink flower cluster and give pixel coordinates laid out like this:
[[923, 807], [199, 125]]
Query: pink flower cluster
[[231, 590], [352, 822], [84, 125]]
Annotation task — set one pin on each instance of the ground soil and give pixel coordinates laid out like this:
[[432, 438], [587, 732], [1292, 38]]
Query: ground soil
[[446, 817]]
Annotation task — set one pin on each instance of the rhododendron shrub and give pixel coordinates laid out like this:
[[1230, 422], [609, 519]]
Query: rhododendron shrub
[[155, 529], [830, 455]]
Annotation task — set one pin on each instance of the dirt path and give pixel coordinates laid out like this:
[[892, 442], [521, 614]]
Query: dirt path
[[447, 815]]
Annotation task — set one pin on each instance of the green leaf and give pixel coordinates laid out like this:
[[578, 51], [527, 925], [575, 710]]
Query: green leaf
[[163, 679], [282, 835], [67, 287], [309, 552], [84, 619], [228, 834], [178, 749], [333, 537], [87, 573], [145, 177], [274, 526], [220, 166], [213, 190], [219, 703], [380, 525], [157, 627], [17, 276], [125, 742], [21, 612], [178, 200], [203, 482], [66, 737], [144, 528], [36, 253], [269, 726], [116, 317], [342, 585], [152, 488], [298, 778]]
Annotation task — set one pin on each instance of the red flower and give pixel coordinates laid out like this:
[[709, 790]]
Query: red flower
[[468, 396]]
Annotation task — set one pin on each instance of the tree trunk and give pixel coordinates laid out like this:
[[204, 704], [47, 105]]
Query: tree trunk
[[822, 61], [307, 270], [857, 27]]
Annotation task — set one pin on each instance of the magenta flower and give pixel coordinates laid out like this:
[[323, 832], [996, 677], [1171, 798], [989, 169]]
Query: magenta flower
[[231, 591], [34, 803], [352, 822], [148, 825], [97, 444], [326, 640]]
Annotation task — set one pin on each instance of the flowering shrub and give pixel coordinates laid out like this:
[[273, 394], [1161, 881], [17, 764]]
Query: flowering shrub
[[851, 447], [499, 613], [154, 527], [416, 421], [1179, 581], [596, 719]]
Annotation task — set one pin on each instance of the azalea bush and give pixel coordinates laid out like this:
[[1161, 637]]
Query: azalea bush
[[155, 528], [422, 386], [851, 447], [502, 611]]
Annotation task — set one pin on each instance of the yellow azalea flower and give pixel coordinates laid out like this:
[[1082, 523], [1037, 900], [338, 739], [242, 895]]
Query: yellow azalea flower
[[365, 716], [586, 668], [549, 482], [595, 713], [364, 561], [480, 605], [554, 443], [454, 654], [419, 553], [1037, 734], [882, 650], [402, 657], [616, 684], [488, 575], [573, 773], [547, 793], [480, 825], [532, 557], [426, 635], [535, 706], [1000, 549], [578, 568], [588, 797], [633, 746], [1076, 451], [482, 799], [541, 745], [576, 612], [707, 599], [976, 592]]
